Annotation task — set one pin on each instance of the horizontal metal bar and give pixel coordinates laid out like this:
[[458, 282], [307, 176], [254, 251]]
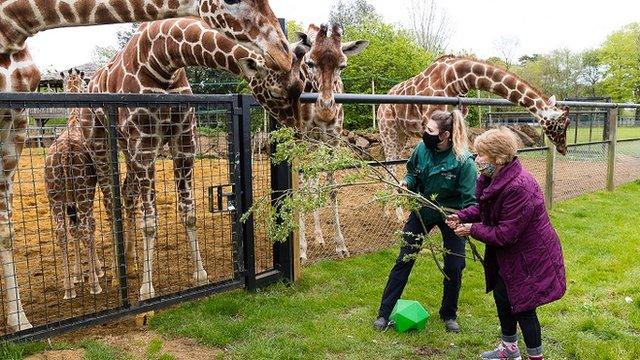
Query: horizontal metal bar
[[493, 113], [268, 277], [532, 149], [44, 100], [628, 140], [82, 321], [441, 100], [588, 143]]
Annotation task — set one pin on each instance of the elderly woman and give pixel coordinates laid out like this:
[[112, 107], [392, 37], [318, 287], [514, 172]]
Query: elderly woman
[[523, 258]]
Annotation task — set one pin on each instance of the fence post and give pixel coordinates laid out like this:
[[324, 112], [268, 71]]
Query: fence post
[[281, 181], [295, 183], [550, 171], [116, 211], [613, 139], [244, 191]]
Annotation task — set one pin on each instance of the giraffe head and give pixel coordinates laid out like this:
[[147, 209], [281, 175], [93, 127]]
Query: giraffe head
[[253, 24], [277, 91], [554, 122], [73, 80], [324, 58]]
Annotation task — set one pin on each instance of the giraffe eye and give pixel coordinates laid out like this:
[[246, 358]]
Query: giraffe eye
[[232, 2], [311, 64]]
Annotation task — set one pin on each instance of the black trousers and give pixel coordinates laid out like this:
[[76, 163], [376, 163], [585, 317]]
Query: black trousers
[[453, 266], [528, 320]]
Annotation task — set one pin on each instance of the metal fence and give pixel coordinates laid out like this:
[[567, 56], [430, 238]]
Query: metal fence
[[225, 177], [589, 166]]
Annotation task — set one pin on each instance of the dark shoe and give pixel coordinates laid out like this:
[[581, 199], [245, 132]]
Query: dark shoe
[[451, 326], [381, 324]]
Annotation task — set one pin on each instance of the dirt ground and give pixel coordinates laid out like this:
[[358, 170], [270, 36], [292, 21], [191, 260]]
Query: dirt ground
[[38, 255]]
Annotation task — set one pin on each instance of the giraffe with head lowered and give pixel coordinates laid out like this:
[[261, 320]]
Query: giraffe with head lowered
[[324, 56], [249, 22], [452, 76], [70, 180], [154, 61]]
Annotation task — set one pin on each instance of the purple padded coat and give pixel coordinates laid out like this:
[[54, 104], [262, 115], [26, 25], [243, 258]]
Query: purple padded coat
[[522, 245]]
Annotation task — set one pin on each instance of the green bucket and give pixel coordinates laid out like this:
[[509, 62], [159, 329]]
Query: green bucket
[[408, 315]]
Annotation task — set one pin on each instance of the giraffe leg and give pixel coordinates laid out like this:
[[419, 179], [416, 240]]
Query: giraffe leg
[[62, 235], [76, 236], [145, 179], [86, 234], [12, 141], [302, 230], [131, 194], [317, 224], [341, 247], [183, 149]]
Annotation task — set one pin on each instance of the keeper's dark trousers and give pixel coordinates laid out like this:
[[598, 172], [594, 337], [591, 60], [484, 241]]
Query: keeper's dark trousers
[[453, 266]]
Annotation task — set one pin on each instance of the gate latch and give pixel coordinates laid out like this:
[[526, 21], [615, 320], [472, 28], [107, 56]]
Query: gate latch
[[217, 196]]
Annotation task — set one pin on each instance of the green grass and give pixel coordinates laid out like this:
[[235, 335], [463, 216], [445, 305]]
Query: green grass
[[596, 134], [329, 313]]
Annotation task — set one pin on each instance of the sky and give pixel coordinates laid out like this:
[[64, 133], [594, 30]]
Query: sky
[[540, 26]]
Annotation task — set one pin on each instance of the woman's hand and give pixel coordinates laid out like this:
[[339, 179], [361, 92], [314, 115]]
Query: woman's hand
[[453, 221], [463, 230]]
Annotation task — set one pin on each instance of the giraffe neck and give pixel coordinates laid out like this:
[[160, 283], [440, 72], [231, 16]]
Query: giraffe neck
[[461, 75], [20, 19], [173, 48]]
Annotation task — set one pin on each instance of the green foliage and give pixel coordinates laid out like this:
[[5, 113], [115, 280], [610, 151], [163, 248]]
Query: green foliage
[[620, 54], [213, 81], [391, 57]]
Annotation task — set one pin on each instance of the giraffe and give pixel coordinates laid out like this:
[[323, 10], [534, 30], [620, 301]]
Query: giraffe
[[154, 61], [453, 76], [250, 22], [70, 180], [325, 56]]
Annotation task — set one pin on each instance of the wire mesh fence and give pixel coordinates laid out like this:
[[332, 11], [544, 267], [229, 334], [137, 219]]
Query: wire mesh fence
[[368, 227], [134, 205]]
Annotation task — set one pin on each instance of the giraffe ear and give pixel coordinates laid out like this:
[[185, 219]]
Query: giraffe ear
[[249, 67], [62, 74], [303, 38], [354, 47], [552, 100]]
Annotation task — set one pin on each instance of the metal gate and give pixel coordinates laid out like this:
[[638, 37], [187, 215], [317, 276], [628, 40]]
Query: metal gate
[[226, 175]]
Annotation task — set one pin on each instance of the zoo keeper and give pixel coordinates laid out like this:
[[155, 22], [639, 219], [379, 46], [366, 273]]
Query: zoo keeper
[[440, 166]]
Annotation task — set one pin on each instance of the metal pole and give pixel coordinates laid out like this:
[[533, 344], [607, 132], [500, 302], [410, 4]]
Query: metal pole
[[245, 177], [550, 171], [118, 229], [613, 138]]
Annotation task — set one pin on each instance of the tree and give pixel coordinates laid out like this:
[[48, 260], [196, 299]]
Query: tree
[[507, 47], [102, 54], [353, 13], [620, 57], [429, 25], [391, 57], [592, 71]]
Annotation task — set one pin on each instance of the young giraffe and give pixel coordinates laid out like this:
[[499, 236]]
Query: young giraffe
[[455, 76], [70, 180], [153, 61], [325, 58], [250, 22]]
